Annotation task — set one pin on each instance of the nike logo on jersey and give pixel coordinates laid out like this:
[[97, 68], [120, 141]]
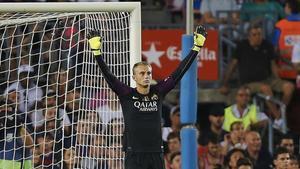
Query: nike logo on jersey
[[135, 98]]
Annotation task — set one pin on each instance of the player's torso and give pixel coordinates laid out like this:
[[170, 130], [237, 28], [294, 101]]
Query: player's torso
[[142, 115]]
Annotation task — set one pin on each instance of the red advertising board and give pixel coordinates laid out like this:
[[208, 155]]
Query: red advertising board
[[162, 49]]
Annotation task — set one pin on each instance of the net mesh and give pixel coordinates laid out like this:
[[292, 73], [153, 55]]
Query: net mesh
[[53, 88]]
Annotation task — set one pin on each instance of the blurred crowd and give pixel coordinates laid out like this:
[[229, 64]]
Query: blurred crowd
[[49, 120]]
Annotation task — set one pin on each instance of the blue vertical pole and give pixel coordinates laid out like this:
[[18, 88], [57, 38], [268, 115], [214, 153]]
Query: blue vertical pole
[[188, 109]]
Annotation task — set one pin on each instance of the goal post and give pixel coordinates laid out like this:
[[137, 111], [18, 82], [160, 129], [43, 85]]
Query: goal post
[[52, 87]]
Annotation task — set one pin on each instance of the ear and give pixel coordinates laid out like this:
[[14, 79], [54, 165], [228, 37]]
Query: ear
[[133, 77], [209, 117], [275, 162]]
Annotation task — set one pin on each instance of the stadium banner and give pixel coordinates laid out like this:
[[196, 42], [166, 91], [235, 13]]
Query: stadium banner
[[162, 49]]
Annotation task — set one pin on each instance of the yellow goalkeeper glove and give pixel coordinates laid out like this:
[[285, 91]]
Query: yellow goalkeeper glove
[[199, 38], [95, 42]]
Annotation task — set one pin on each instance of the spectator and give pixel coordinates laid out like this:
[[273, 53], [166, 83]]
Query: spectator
[[243, 111], [259, 156], [50, 102], [232, 157], [69, 161], [73, 103], [176, 7], [174, 145], [82, 142], [97, 152], [45, 142], [262, 10], [36, 158], [115, 155], [95, 122], [51, 122], [281, 158], [252, 10], [287, 141], [244, 163], [213, 157], [175, 160], [50, 99], [286, 32], [209, 9], [293, 163], [175, 123], [258, 55], [97, 94], [29, 93], [115, 127], [60, 83], [110, 111], [216, 119], [235, 138], [15, 140], [13, 97]]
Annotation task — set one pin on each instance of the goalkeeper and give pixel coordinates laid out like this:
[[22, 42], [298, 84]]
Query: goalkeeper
[[142, 105]]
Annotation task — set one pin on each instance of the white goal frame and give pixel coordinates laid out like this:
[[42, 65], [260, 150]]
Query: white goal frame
[[133, 7]]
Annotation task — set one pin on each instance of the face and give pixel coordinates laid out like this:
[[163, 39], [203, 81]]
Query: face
[[69, 156], [255, 37], [115, 150], [45, 144], [176, 162], [287, 9], [282, 160], [117, 127], [63, 77], [174, 145], [82, 127], [50, 113], [253, 141], [288, 144], [13, 96], [175, 119], [142, 75], [73, 100], [50, 101], [98, 148], [213, 149], [50, 125], [92, 116], [234, 158], [216, 121], [36, 156], [237, 132], [243, 97]]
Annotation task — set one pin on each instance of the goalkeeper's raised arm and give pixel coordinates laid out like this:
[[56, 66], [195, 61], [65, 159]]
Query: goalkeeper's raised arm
[[95, 42], [199, 39]]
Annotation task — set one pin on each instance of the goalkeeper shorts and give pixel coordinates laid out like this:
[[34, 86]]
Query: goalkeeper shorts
[[143, 160]]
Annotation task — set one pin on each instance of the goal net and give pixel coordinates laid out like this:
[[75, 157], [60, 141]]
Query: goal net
[[56, 110]]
